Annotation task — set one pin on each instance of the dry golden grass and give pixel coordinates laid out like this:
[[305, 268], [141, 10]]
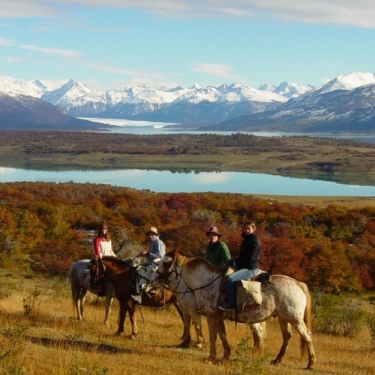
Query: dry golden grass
[[52, 341]]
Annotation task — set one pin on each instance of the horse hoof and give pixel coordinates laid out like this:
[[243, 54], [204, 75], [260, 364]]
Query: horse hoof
[[212, 361], [184, 345], [199, 346]]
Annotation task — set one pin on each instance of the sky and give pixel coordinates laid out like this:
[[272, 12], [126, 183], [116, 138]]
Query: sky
[[111, 44]]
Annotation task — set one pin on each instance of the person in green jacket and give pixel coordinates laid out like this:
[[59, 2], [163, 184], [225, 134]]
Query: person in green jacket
[[217, 252]]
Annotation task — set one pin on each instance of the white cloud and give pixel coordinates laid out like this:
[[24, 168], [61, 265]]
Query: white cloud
[[135, 76], [28, 8], [11, 59], [359, 13], [6, 42], [217, 70], [61, 52]]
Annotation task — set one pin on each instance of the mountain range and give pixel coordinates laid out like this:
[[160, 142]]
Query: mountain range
[[344, 104]]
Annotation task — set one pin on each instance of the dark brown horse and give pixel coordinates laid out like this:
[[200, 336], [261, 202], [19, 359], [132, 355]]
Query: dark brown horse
[[121, 274]]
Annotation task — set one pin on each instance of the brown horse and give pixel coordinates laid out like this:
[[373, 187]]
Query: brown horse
[[121, 274]]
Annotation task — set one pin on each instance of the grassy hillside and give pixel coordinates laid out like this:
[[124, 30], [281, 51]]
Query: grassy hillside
[[40, 335]]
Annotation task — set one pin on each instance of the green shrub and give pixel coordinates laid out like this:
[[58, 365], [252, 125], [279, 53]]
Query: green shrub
[[12, 357], [247, 359], [344, 321]]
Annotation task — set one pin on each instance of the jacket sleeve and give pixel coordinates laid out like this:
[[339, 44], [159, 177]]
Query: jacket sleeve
[[96, 246], [157, 250], [224, 254]]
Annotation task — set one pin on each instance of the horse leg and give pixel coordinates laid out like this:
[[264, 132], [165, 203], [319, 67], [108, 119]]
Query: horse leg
[[257, 331], [180, 313], [81, 303], [186, 338], [212, 329], [198, 330], [133, 322], [108, 305], [306, 342], [75, 296], [223, 337], [287, 334], [121, 318]]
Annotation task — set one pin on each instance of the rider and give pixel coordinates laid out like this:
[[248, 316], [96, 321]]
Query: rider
[[102, 245], [155, 250], [246, 264], [217, 252]]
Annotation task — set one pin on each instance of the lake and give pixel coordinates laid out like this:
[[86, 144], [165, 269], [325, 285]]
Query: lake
[[166, 181], [148, 128]]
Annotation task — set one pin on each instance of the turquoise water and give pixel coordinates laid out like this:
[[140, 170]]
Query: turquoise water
[[167, 181]]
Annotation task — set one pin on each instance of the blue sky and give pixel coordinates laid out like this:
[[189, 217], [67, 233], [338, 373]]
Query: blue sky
[[110, 44]]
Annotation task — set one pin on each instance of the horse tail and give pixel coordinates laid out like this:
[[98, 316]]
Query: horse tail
[[307, 318]]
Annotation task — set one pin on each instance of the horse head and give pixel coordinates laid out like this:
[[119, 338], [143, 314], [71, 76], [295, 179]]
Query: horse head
[[164, 272]]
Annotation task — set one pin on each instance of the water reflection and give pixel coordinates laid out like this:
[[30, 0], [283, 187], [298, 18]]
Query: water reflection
[[167, 181]]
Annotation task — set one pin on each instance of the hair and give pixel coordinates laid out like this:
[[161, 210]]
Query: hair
[[251, 223], [100, 234]]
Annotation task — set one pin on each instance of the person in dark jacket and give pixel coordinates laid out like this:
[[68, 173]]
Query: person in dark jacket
[[217, 252], [246, 264]]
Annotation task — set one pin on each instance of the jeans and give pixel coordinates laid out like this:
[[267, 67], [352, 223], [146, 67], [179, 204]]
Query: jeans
[[231, 280]]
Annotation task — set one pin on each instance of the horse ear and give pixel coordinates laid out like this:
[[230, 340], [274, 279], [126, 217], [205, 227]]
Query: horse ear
[[177, 251]]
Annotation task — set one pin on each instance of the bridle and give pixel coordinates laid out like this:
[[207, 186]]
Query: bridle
[[164, 276]]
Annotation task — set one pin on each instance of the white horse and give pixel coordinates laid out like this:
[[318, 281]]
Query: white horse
[[80, 283], [186, 302], [282, 296]]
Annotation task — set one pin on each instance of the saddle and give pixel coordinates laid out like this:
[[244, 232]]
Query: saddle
[[249, 292]]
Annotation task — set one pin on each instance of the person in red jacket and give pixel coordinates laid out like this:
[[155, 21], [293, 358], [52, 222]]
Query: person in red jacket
[[102, 244]]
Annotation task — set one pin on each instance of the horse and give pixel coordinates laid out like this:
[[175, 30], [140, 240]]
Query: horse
[[186, 302], [283, 297], [80, 285], [121, 274]]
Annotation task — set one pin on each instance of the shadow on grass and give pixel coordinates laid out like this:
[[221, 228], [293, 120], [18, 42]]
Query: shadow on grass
[[77, 344]]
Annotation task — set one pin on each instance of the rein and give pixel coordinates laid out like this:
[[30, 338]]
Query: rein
[[165, 278]]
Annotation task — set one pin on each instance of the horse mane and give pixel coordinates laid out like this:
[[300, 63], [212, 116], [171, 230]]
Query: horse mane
[[118, 261], [194, 262]]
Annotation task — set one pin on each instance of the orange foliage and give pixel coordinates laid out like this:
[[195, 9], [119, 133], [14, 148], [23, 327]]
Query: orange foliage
[[47, 226]]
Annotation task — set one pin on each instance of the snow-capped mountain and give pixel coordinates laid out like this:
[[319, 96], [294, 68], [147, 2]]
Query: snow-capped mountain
[[348, 82], [196, 104], [34, 88], [66, 93], [345, 103], [289, 90]]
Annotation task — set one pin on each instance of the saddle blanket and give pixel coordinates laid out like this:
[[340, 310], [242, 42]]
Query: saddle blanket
[[248, 293]]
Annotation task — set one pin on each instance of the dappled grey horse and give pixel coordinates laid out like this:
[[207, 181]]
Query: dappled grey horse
[[80, 283]]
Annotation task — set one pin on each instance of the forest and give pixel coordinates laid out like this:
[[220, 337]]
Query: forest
[[44, 227]]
